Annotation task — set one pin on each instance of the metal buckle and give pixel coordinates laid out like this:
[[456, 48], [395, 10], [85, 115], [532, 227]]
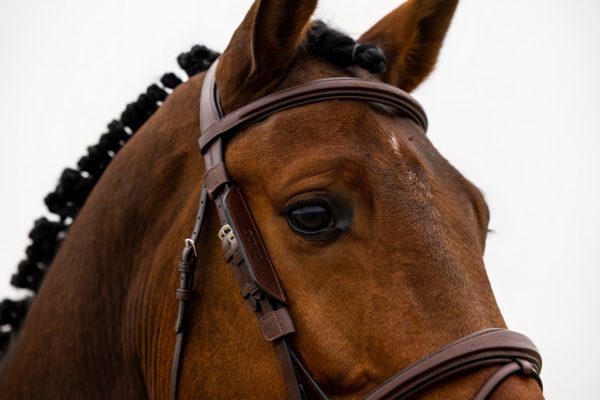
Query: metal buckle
[[190, 243], [226, 232]]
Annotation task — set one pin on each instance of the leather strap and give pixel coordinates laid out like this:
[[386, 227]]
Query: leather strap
[[487, 347], [260, 287], [215, 178], [312, 92], [183, 294], [519, 366], [243, 246], [276, 324], [310, 387], [253, 249]]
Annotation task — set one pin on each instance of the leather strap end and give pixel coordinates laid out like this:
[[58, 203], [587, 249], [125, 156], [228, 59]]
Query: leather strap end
[[181, 314], [188, 255], [276, 324]]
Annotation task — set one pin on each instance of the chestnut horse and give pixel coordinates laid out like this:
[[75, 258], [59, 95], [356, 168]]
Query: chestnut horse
[[402, 276]]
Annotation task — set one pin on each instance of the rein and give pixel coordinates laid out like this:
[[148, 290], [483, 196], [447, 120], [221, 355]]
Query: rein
[[259, 284]]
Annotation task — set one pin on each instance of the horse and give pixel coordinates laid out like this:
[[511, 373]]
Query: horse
[[376, 239]]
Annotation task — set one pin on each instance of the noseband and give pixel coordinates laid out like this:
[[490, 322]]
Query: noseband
[[260, 286]]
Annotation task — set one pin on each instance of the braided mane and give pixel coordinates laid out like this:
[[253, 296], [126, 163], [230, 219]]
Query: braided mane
[[75, 184]]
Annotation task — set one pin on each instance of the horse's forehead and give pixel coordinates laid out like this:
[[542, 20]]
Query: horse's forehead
[[353, 130], [348, 127]]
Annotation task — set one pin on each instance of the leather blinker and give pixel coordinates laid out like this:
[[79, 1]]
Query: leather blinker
[[252, 245]]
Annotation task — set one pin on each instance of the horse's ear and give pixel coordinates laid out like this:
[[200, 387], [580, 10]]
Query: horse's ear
[[262, 49], [411, 37]]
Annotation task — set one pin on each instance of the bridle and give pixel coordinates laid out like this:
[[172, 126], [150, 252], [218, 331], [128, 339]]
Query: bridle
[[255, 273]]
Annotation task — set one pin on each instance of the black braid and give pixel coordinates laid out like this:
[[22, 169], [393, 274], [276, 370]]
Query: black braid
[[343, 51], [12, 314], [198, 59], [75, 185]]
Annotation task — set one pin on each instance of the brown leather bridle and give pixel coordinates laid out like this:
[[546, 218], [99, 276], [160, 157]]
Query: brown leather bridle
[[259, 284]]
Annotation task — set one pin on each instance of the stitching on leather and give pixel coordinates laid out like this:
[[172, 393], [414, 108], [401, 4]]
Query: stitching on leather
[[278, 324], [441, 351], [262, 245], [451, 365], [215, 171], [421, 361], [213, 106], [370, 96], [335, 94], [344, 83], [400, 100], [264, 319]]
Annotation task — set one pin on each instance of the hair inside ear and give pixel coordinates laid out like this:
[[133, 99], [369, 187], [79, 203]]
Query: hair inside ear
[[411, 37], [262, 49]]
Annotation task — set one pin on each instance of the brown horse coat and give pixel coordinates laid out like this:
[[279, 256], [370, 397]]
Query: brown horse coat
[[406, 278]]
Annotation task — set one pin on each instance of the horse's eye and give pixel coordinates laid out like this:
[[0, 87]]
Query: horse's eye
[[311, 219]]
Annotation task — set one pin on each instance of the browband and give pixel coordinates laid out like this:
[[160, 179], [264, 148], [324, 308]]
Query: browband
[[307, 93]]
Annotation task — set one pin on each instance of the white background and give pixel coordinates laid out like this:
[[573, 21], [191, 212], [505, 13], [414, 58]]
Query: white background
[[514, 104]]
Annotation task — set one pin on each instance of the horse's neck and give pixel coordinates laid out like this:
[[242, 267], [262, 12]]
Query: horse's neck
[[102, 323], [87, 331]]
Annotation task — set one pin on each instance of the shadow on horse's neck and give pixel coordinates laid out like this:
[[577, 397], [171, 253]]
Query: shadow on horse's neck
[[88, 327], [102, 323]]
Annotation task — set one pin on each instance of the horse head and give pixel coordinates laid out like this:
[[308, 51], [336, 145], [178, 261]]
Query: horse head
[[376, 239]]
